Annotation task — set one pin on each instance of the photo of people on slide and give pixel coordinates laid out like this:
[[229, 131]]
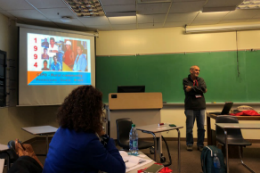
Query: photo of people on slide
[[58, 60], [45, 64], [64, 54]]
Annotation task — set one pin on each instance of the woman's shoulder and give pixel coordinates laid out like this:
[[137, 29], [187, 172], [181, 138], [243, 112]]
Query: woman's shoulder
[[72, 133]]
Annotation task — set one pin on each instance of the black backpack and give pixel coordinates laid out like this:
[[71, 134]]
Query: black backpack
[[207, 156]]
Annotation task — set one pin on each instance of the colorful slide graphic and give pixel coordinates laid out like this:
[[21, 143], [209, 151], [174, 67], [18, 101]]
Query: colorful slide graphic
[[55, 60]]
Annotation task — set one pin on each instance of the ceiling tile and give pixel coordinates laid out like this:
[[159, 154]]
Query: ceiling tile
[[5, 13], [47, 3], [29, 14], [124, 27], [175, 24], [122, 20], [204, 23], [154, 8], [15, 5], [216, 16], [89, 21], [100, 27], [150, 25], [241, 14], [55, 13], [181, 17], [184, 0], [118, 8], [117, 2], [141, 18], [184, 7], [75, 22]]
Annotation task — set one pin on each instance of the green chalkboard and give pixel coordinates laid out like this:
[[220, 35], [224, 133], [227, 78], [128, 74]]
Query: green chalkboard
[[227, 79]]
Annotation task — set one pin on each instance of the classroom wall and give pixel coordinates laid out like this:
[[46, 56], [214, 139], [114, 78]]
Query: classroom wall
[[12, 119], [174, 40], [147, 41]]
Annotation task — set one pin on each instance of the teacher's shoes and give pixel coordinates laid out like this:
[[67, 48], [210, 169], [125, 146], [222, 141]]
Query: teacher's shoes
[[189, 147]]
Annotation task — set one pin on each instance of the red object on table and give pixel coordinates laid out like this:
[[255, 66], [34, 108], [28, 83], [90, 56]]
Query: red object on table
[[246, 113], [163, 170], [166, 170]]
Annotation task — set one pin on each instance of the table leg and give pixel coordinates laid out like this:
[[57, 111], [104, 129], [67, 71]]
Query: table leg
[[179, 149], [209, 135], [155, 146], [226, 144]]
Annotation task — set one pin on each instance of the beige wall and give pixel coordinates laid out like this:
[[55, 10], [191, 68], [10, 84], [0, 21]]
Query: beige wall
[[173, 40], [12, 119]]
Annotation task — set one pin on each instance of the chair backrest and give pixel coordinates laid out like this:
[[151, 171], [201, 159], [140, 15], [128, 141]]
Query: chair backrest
[[231, 132], [124, 126]]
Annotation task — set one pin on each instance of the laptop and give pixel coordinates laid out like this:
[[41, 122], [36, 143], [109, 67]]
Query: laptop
[[225, 110]]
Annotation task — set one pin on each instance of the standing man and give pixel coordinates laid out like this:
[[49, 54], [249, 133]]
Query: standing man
[[195, 106]]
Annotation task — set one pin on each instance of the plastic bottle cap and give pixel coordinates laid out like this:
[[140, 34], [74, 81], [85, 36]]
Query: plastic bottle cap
[[133, 125]]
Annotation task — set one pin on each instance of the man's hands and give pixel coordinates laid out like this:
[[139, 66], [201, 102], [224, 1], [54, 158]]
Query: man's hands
[[188, 88]]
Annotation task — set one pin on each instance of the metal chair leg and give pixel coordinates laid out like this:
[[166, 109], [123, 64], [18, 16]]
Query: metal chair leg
[[241, 159]]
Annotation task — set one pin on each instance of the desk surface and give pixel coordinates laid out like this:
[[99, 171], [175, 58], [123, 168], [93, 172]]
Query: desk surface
[[238, 117], [155, 128], [238, 126], [144, 166], [39, 130], [2, 162], [3, 147]]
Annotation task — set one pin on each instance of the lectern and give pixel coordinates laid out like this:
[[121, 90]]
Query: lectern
[[142, 108]]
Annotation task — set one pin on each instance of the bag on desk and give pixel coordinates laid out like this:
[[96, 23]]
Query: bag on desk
[[25, 150], [207, 163]]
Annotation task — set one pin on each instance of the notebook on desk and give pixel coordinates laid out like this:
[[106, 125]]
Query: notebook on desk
[[226, 109]]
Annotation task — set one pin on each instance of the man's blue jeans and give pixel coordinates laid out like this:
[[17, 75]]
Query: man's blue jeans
[[191, 115]]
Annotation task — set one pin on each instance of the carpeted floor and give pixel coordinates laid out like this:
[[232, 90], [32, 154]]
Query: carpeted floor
[[190, 161]]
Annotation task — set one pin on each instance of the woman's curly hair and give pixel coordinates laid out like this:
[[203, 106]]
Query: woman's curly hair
[[81, 110]]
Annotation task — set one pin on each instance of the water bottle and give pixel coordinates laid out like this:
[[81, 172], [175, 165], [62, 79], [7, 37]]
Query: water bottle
[[216, 164], [133, 141]]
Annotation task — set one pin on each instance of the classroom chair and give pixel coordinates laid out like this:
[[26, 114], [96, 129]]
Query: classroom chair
[[124, 126], [234, 137]]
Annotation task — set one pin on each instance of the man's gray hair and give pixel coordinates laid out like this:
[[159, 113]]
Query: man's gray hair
[[192, 67]]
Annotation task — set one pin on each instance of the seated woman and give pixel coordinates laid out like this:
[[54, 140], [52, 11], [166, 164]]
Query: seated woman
[[75, 147]]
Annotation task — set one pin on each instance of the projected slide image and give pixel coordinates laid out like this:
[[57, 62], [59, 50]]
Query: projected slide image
[[55, 60]]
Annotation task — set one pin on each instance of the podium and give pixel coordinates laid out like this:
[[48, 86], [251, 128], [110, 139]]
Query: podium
[[142, 108]]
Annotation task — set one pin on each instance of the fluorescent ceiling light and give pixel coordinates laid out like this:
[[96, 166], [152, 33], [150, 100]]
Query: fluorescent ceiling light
[[86, 8], [153, 1], [249, 4], [118, 14], [221, 28]]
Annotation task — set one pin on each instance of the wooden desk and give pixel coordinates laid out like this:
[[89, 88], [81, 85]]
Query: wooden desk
[[213, 116], [2, 162]]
